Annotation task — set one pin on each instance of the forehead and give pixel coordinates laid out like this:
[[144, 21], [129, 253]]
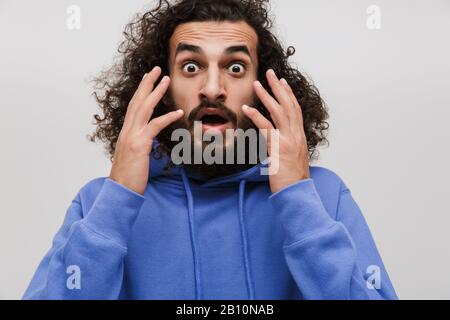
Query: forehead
[[215, 34]]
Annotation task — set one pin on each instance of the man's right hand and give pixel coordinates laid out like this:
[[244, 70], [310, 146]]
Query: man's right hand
[[131, 161]]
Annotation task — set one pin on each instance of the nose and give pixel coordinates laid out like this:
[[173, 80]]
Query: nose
[[213, 86]]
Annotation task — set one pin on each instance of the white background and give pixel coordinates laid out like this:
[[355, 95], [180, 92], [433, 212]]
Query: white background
[[387, 91]]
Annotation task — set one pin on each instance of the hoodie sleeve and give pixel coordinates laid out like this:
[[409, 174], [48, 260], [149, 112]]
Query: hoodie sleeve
[[330, 258], [86, 257]]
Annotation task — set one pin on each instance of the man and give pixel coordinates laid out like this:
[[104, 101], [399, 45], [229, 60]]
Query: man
[[155, 229]]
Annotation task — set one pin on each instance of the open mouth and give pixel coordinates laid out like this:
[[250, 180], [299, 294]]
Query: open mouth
[[213, 118]]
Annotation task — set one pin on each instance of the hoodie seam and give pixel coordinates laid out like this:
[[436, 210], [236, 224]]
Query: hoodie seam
[[309, 237], [102, 236], [341, 193]]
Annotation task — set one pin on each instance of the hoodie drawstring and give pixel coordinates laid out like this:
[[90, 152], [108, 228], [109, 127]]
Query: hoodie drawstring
[[190, 200], [248, 275]]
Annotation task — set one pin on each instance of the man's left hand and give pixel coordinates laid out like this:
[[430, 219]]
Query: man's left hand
[[285, 110]]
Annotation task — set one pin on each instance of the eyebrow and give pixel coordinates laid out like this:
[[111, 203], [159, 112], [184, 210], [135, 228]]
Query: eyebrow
[[196, 49]]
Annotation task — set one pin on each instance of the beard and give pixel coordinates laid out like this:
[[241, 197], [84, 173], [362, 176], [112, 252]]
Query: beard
[[235, 121]]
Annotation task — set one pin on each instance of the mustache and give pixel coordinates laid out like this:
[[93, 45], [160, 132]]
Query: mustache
[[228, 113]]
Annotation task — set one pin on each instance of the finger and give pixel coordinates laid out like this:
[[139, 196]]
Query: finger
[[144, 89], [280, 92], [265, 126], [145, 110], [270, 103], [257, 118], [297, 106], [155, 126], [146, 86]]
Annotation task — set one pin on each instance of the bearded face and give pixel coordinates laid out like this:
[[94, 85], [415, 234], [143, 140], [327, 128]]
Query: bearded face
[[212, 66], [213, 125]]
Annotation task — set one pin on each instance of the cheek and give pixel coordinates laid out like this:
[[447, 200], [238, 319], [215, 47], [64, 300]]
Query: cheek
[[242, 93], [183, 94]]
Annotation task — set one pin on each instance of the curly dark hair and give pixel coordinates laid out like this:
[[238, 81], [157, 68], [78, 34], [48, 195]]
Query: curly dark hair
[[146, 45]]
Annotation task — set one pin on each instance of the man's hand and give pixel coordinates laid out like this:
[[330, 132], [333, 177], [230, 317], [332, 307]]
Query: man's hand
[[287, 116], [131, 157]]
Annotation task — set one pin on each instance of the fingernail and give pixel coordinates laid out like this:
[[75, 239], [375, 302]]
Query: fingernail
[[180, 111], [144, 76], [245, 107], [271, 72], [283, 81], [258, 83]]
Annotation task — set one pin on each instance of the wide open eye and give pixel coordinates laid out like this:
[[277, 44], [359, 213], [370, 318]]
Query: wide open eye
[[237, 68], [190, 67]]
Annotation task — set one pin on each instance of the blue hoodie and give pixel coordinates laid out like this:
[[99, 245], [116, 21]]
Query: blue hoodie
[[223, 238]]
